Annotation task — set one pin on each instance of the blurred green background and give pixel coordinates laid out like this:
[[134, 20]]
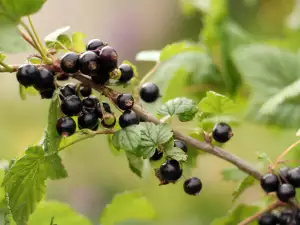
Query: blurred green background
[[95, 173]]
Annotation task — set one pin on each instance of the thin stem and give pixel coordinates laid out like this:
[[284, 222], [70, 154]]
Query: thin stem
[[284, 153], [36, 35], [148, 75], [6, 67], [27, 39], [260, 213]]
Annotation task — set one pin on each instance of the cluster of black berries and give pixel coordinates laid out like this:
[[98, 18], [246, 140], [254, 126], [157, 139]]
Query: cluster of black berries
[[283, 217]]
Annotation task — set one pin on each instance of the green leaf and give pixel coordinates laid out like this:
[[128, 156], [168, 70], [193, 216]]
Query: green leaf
[[151, 137], [25, 184], [24, 91], [62, 213], [216, 103], [150, 55], [55, 168], [78, 42], [233, 174], [128, 138], [52, 138], [35, 60], [275, 96], [136, 164], [19, 8], [52, 37], [2, 57], [237, 215], [127, 206], [242, 186], [177, 48], [183, 107], [177, 154]]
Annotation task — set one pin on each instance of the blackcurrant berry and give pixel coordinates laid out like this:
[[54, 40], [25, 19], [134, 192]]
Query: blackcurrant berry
[[106, 108], [293, 177], [47, 93], [89, 102], [45, 79], [286, 217], [62, 76], [285, 192], [192, 186], [65, 126], [222, 132], [71, 105], [27, 74], [94, 44], [89, 63], [128, 118], [283, 173], [70, 62], [297, 217], [180, 144], [157, 155], [149, 92], [67, 90], [170, 170], [268, 219], [101, 77], [126, 73], [108, 58], [109, 120], [85, 91], [125, 101], [87, 121], [269, 182]]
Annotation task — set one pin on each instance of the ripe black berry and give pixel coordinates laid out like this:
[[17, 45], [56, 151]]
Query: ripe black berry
[[128, 118], [222, 132], [101, 77], [180, 144], [89, 63], [85, 91], [62, 76], [286, 217], [90, 103], [65, 126], [293, 177], [157, 155], [192, 186], [27, 74], [67, 90], [71, 105], [268, 219], [109, 120], [87, 121], [269, 182], [283, 173], [70, 62], [45, 79], [125, 101], [149, 92], [105, 107], [47, 93], [94, 44], [285, 192], [170, 170], [126, 73], [108, 58]]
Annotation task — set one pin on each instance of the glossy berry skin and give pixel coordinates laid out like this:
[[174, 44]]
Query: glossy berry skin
[[45, 79], [269, 182], [293, 177], [67, 90], [70, 62], [283, 173], [85, 91], [106, 108], [27, 74], [125, 101], [149, 92], [94, 44], [285, 192], [47, 93], [157, 155], [126, 73], [65, 126], [108, 121], [268, 219], [222, 132], [286, 217], [71, 105], [108, 58], [89, 63], [180, 144], [192, 186], [128, 118], [89, 103], [170, 170], [88, 121]]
